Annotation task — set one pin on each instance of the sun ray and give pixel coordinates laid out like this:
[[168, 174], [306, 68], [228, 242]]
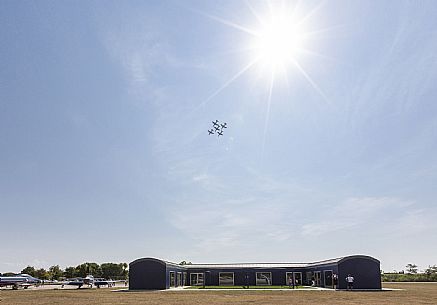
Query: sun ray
[[228, 23], [266, 122], [227, 83], [254, 13], [287, 81], [294, 9], [307, 16], [309, 79]]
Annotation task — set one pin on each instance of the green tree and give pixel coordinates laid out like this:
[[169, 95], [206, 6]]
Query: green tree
[[29, 270], [88, 268], [411, 268], [114, 271], [431, 270], [42, 274], [125, 272], [431, 273], [55, 272], [70, 272]]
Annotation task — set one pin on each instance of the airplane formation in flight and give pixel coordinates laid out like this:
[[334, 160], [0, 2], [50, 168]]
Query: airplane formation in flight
[[217, 128]]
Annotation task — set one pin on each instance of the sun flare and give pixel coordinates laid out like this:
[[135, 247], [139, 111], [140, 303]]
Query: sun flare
[[277, 43], [280, 37]]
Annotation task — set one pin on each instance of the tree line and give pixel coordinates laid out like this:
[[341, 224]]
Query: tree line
[[105, 270], [411, 274]]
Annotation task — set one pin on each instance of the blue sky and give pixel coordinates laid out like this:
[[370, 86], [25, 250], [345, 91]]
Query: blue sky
[[105, 156]]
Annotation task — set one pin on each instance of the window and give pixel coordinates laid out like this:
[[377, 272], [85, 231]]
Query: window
[[263, 278], [309, 278], [297, 278], [288, 278], [196, 279], [172, 279], [179, 279], [226, 278], [185, 279]]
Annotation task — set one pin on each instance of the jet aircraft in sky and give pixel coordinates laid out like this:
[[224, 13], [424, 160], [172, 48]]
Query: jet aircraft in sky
[[217, 128]]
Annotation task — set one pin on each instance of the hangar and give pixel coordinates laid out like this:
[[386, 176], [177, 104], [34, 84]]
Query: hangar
[[152, 273]]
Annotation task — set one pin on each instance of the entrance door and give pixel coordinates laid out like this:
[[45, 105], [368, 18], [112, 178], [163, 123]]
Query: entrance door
[[318, 278], [179, 279], [327, 274], [172, 279], [297, 278], [288, 278]]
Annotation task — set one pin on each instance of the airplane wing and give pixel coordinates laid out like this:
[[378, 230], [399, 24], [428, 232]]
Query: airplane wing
[[79, 282], [103, 282]]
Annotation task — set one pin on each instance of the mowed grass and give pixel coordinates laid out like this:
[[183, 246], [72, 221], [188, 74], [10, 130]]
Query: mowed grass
[[413, 293], [250, 287]]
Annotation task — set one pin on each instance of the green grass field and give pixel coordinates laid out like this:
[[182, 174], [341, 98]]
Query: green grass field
[[411, 293], [250, 287]]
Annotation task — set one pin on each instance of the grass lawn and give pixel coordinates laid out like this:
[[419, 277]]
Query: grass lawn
[[250, 287], [411, 293]]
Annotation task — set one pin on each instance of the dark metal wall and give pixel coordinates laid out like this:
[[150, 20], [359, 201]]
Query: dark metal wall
[[147, 274], [366, 272]]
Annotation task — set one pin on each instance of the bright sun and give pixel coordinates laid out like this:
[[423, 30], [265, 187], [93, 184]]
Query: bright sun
[[277, 43]]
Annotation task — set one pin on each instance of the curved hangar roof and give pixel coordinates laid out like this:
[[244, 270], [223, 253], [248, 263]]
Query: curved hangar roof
[[259, 265]]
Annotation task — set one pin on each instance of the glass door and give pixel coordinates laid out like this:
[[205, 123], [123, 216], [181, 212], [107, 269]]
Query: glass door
[[327, 274], [318, 278]]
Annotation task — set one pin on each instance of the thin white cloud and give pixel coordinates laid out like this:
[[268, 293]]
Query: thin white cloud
[[354, 212]]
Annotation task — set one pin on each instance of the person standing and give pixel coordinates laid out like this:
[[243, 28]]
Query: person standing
[[350, 282], [335, 280]]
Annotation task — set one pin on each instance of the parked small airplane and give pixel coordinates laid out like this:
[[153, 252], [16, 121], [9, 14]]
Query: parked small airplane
[[20, 280], [90, 281]]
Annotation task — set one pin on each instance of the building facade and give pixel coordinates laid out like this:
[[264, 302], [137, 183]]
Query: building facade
[[153, 274]]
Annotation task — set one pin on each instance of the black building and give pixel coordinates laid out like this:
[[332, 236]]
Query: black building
[[152, 273]]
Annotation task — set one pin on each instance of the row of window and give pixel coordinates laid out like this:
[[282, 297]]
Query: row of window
[[262, 278], [227, 278], [177, 281]]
